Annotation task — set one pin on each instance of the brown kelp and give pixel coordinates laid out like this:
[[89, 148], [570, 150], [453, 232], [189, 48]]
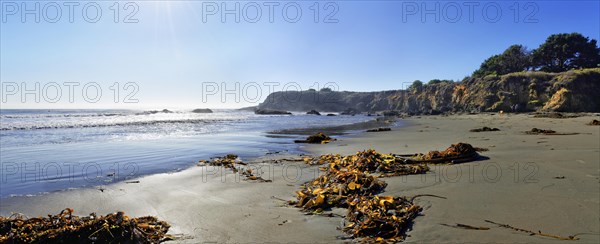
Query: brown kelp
[[460, 152], [380, 217], [536, 131], [352, 182], [231, 161], [68, 228]]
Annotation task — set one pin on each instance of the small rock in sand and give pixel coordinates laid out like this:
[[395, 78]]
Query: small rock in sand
[[484, 129], [379, 129]]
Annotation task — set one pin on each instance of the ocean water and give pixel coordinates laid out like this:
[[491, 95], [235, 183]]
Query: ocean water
[[50, 150]]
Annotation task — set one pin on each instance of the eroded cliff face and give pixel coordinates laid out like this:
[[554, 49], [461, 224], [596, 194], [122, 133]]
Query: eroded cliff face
[[572, 91]]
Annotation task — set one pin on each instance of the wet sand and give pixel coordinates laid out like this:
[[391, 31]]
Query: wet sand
[[340, 129], [536, 182], [521, 184]]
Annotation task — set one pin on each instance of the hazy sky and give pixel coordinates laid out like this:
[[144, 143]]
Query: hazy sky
[[181, 54]]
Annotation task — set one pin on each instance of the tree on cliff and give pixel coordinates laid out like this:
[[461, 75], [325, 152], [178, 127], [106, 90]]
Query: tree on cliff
[[438, 81], [514, 59], [562, 52], [417, 86]]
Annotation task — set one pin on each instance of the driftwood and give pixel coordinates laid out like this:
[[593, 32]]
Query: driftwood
[[539, 233], [467, 227], [536, 131], [457, 159], [425, 195]]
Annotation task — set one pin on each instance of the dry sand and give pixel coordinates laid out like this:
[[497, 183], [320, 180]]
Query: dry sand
[[521, 184]]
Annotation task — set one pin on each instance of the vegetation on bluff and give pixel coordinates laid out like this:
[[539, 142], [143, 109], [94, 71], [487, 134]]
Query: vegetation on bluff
[[563, 74], [560, 52]]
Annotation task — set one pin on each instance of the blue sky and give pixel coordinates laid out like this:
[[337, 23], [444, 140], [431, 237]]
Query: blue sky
[[173, 55]]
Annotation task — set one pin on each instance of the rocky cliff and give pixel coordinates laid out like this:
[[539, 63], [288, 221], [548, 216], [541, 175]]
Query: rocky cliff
[[571, 91]]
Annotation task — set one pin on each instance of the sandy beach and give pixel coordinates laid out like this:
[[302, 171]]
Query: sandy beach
[[547, 183]]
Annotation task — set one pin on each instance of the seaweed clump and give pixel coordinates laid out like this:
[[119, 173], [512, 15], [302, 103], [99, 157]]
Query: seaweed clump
[[536, 131], [333, 189], [370, 161], [67, 228], [350, 182], [460, 152]]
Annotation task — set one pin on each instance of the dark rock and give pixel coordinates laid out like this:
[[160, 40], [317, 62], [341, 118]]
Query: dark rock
[[541, 131], [435, 112], [202, 110], [269, 112], [391, 113], [318, 138], [331, 115], [379, 129], [484, 129], [349, 111], [594, 122], [315, 112]]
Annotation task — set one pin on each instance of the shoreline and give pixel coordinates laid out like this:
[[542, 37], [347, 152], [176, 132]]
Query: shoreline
[[121, 159], [204, 208], [343, 130], [340, 129]]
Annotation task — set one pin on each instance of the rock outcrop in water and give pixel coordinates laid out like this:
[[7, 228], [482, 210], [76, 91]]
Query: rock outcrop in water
[[202, 110], [571, 91], [271, 112], [315, 112]]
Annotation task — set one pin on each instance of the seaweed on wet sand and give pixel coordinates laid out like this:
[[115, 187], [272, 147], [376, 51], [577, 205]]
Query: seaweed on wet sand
[[68, 228], [333, 189], [594, 122], [380, 218], [536, 131], [370, 161], [231, 161], [460, 152], [353, 182]]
